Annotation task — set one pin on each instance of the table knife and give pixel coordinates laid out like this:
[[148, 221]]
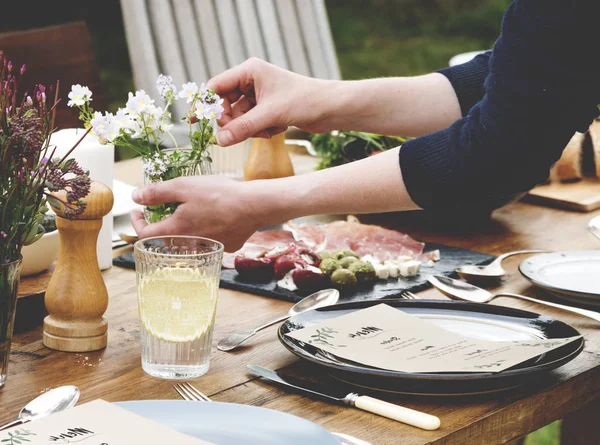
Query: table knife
[[366, 403]]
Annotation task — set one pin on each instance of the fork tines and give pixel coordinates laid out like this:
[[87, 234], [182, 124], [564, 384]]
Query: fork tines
[[409, 296], [188, 392]]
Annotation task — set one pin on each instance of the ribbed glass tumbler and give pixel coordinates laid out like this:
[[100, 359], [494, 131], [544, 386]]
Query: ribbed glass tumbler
[[177, 287]]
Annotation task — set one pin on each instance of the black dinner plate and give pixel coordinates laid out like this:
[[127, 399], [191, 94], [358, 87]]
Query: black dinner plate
[[474, 320]]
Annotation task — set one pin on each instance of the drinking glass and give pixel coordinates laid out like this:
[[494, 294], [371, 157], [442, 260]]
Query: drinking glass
[[177, 286], [9, 283], [181, 167]]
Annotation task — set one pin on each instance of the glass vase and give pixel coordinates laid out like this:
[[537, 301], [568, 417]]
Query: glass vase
[[173, 169], [9, 283]]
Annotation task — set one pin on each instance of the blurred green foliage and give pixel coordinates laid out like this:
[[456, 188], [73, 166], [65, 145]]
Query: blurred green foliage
[[410, 37]]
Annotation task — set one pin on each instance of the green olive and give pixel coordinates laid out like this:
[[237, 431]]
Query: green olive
[[326, 255], [345, 253], [329, 265], [347, 261], [363, 270], [343, 279]]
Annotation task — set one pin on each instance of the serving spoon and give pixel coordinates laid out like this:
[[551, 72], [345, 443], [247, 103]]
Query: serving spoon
[[493, 270], [322, 298], [594, 226], [53, 401], [461, 290]]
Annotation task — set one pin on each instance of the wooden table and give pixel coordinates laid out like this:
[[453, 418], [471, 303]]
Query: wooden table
[[115, 374]]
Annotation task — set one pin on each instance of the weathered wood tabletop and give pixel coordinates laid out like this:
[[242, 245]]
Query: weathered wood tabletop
[[115, 374]]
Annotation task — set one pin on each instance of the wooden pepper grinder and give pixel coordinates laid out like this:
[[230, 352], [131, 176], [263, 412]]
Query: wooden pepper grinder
[[268, 159], [76, 298]]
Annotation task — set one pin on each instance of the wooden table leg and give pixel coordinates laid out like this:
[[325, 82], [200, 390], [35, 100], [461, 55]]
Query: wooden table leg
[[581, 427]]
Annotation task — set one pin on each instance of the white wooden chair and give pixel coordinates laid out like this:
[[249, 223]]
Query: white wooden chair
[[193, 40]]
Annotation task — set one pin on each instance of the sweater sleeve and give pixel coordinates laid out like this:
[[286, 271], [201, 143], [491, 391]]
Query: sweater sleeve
[[543, 86], [467, 80]]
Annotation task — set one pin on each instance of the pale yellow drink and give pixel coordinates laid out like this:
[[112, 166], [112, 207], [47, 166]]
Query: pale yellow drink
[[177, 306]]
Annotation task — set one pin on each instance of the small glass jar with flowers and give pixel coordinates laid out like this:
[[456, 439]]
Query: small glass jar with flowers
[[29, 176], [142, 127]]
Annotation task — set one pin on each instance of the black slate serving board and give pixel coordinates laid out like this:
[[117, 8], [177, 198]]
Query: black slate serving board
[[450, 259]]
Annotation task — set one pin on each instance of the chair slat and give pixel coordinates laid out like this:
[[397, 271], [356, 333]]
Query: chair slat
[[168, 48], [251, 30], [292, 37], [193, 54], [210, 35], [230, 32], [310, 36], [140, 42], [326, 39], [269, 23]]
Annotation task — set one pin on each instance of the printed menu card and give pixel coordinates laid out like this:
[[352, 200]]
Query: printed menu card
[[95, 423], [387, 338]]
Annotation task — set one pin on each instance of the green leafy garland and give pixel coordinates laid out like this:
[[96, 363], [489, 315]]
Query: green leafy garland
[[340, 147]]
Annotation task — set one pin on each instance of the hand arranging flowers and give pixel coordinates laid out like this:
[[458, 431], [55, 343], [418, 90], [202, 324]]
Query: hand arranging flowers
[[142, 126]]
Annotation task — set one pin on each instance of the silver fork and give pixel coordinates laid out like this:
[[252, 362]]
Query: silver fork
[[409, 296], [188, 392]]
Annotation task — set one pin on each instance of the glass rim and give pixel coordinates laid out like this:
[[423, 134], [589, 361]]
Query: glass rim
[[220, 249]]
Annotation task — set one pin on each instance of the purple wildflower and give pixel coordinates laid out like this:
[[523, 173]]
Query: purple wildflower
[[23, 69]]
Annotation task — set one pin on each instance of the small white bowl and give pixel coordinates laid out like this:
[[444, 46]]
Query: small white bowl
[[40, 255]]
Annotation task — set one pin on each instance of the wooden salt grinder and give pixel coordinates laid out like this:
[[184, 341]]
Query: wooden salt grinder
[[76, 298]]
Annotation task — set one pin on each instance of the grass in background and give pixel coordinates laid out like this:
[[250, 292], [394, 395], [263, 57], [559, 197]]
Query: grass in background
[[376, 38]]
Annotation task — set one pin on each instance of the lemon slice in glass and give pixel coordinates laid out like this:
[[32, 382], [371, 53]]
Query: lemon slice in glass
[[177, 304]]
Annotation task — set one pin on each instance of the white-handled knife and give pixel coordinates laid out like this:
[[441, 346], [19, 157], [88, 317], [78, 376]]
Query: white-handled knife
[[366, 403]]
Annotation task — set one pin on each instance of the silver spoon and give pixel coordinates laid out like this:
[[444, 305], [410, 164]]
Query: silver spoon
[[493, 270], [128, 238], [322, 298], [461, 290], [53, 401], [594, 226]]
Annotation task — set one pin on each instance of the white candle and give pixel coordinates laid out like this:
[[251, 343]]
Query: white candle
[[99, 160]]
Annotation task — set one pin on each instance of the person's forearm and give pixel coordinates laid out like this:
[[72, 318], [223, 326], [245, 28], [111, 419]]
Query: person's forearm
[[371, 185], [403, 106]]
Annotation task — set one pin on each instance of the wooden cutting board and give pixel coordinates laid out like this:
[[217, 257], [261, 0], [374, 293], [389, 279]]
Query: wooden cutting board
[[582, 196]]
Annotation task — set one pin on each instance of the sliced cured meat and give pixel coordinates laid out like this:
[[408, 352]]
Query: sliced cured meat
[[258, 244], [363, 239], [313, 235]]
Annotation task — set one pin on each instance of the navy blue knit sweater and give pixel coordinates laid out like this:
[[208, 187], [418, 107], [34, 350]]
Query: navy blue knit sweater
[[521, 103]]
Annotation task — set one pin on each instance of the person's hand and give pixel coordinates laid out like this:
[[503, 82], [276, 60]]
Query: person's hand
[[211, 206], [262, 100]]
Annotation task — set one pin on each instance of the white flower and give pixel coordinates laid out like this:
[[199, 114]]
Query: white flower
[[189, 91], [155, 167], [165, 87], [214, 110], [100, 126], [139, 103], [79, 95], [123, 119], [106, 127], [217, 108]]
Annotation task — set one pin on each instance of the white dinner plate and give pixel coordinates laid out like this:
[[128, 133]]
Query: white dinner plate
[[123, 204], [571, 275], [232, 424]]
